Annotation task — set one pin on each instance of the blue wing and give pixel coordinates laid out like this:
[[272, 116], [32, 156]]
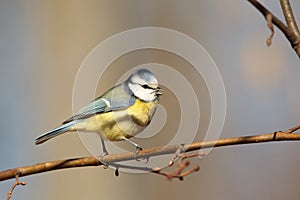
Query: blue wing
[[117, 98]]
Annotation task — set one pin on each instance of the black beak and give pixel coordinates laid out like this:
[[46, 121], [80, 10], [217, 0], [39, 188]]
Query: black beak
[[157, 91]]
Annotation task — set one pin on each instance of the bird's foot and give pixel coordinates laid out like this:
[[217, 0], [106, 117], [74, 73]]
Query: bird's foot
[[100, 158], [136, 153]]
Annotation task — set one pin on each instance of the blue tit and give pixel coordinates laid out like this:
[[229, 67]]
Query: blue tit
[[119, 114]]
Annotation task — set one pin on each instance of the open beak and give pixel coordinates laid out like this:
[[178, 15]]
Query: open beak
[[157, 91]]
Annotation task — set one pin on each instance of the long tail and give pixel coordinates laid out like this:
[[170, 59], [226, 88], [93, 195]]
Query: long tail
[[55, 132]]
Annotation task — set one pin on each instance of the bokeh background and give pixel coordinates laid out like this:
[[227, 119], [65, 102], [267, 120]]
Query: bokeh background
[[43, 43]]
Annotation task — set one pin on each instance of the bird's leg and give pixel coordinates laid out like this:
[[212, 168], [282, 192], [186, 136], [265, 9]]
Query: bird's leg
[[138, 147], [104, 153], [104, 150]]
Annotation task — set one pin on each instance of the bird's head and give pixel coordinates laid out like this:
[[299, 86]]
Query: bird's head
[[144, 85]]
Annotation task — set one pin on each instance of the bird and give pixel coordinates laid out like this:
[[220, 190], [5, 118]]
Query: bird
[[117, 115]]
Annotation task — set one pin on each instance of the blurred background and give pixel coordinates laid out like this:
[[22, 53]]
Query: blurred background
[[43, 43]]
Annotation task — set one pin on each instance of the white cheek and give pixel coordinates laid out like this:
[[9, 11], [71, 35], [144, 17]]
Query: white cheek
[[142, 93]]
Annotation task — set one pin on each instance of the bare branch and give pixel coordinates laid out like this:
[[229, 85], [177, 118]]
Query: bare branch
[[48, 166], [293, 129], [289, 16], [181, 166], [291, 31], [265, 12], [16, 183], [294, 34], [147, 153]]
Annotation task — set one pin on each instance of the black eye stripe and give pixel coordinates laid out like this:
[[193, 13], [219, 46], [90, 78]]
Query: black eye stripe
[[147, 86]]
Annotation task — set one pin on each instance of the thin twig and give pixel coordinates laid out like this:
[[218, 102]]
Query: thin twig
[[147, 153], [16, 183], [289, 16], [181, 166], [264, 11], [293, 129], [294, 33], [271, 27], [291, 31], [177, 154]]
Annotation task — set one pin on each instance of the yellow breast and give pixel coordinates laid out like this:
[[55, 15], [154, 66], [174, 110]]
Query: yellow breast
[[142, 112], [123, 123]]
